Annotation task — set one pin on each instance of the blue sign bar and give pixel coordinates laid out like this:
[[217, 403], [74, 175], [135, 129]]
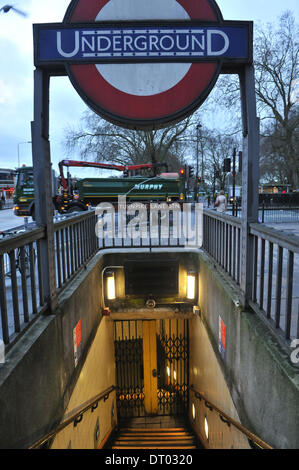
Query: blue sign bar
[[93, 44]]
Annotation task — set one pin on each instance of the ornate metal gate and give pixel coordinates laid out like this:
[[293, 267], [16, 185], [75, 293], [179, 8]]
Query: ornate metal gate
[[171, 369]]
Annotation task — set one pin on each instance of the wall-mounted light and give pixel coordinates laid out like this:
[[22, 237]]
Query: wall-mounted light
[[193, 411], [191, 285], [206, 428], [110, 285]]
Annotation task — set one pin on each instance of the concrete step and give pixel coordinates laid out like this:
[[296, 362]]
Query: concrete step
[[154, 438]]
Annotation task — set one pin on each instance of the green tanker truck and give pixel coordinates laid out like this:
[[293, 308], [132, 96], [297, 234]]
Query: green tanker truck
[[24, 191], [75, 196]]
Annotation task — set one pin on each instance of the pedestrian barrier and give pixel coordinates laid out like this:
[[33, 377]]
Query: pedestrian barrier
[[275, 267], [22, 274]]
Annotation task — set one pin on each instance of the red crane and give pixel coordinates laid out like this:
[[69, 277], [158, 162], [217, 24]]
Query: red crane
[[107, 166]]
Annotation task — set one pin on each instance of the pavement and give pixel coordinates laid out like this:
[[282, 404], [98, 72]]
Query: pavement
[[9, 221]]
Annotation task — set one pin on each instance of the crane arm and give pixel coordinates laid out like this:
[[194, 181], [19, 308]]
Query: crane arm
[[107, 166]]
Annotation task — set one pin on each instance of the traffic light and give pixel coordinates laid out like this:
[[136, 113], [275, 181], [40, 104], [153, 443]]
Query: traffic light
[[199, 179], [182, 171], [227, 165], [240, 161], [126, 173], [190, 171]]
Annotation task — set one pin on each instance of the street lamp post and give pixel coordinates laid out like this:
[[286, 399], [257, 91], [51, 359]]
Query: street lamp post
[[197, 149], [198, 135], [27, 142]]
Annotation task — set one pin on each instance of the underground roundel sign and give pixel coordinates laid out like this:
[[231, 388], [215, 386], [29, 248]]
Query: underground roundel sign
[[143, 63]]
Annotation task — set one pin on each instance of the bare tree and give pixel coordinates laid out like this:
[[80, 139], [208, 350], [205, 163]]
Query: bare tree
[[219, 148], [276, 56], [277, 60], [101, 141], [275, 164]]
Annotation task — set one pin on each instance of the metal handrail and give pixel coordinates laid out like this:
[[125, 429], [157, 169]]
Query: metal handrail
[[75, 416], [11, 242], [234, 221], [225, 418], [285, 240], [71, 219]]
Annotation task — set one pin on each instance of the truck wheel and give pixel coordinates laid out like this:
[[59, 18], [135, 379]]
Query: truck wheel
[[75, 209]]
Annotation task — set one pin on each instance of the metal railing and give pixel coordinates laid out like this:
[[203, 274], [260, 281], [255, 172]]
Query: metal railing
[[275, 268], [222, 241], [75, 244], [75, 416], [257, 441], [275, 277], [21, 283], [171, 226], [22, 293], [271, 214], [8, 204]]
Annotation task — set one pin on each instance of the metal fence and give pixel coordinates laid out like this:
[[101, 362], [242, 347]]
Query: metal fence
[[160, 225], [275, 291], [275, 281], [7, 204], [22, 293], [75, 243], [21, 283], [271, 214], [222, 240]]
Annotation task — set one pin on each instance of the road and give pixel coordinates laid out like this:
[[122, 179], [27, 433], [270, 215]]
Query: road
[[10, 221]]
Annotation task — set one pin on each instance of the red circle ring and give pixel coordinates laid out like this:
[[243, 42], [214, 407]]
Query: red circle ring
[[153, 111]]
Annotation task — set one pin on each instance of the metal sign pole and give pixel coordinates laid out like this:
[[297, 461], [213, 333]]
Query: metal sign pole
[[43, 183], [250, 178]]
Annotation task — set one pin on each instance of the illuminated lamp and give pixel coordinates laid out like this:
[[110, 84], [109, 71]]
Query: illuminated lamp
[[206, 428], [182, 171], [110, 285], [193, 411], [190, 285]]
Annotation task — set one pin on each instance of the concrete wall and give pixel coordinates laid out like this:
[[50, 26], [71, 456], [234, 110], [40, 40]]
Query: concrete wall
[[207, 377], [40, 373], [263, 383], [97, 374]]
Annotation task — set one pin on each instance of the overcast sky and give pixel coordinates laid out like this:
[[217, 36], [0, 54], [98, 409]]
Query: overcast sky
[[66, 107]]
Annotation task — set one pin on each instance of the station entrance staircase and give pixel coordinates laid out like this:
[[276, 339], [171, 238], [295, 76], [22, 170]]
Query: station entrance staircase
[[157, 432]]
